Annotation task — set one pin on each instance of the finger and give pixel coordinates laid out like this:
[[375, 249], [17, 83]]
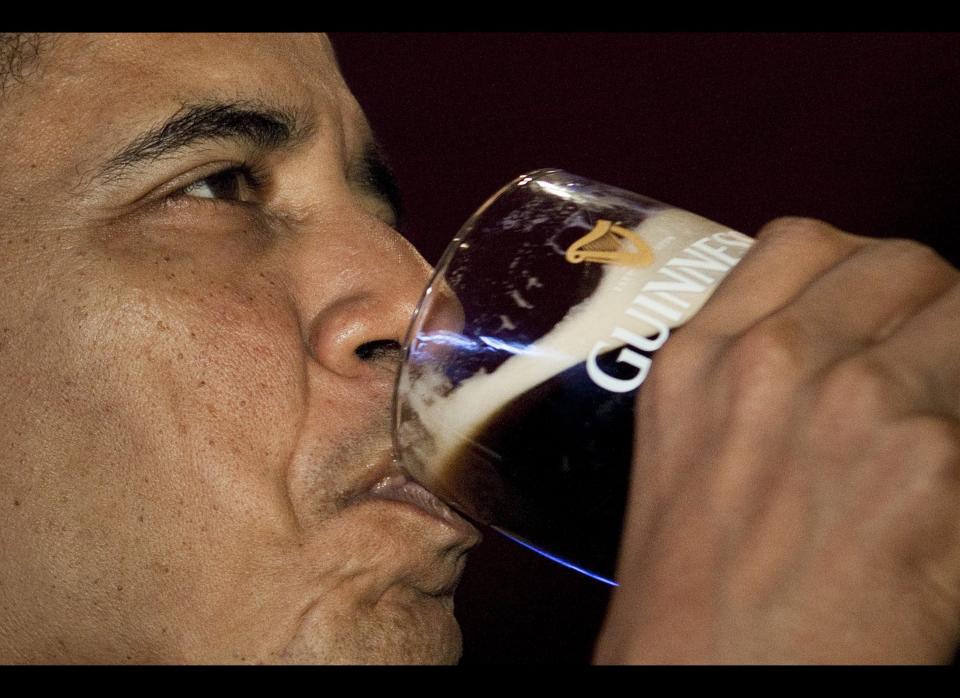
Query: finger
[[866, 297], [924, 351], [830, 336], [790, 253]]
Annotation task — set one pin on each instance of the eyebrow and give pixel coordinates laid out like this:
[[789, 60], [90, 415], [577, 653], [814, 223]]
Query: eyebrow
[[263, 126]]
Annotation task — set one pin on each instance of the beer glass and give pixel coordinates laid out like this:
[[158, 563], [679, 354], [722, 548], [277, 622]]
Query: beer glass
[[515, 399]]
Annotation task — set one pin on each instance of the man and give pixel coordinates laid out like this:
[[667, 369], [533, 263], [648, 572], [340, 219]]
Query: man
[[203, 299], [196, 439]]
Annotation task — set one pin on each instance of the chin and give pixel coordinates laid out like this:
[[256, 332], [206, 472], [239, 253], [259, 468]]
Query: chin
[[421, 632]]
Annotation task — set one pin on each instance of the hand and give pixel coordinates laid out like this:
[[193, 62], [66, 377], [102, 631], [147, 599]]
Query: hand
[[796, 485]]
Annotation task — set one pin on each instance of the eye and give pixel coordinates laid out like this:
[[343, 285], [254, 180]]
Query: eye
[[233, 184]]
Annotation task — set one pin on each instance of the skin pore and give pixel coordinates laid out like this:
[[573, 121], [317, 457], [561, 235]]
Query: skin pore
[[197, 341]]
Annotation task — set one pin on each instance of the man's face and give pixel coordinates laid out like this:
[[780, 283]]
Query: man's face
[[201, 297]]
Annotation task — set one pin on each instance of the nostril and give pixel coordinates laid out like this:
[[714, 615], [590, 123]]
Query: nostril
[[379, 350]]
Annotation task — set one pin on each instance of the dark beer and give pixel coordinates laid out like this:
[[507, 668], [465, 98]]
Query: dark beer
[[551, 468]]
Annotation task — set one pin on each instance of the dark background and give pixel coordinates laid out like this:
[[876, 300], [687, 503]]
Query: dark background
[[861, 130]]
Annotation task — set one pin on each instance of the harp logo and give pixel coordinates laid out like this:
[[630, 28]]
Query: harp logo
[[609, 243]]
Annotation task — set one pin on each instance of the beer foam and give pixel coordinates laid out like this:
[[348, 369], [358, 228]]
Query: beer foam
[[448, 417]]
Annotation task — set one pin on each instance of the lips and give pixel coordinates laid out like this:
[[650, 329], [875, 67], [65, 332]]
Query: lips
[[398, 487]]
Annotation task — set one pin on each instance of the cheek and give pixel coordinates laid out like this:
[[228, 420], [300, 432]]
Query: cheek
[[207, 374], [165, 416]]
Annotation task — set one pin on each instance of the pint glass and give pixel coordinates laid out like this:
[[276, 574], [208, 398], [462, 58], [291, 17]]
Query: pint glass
[[515, 399]]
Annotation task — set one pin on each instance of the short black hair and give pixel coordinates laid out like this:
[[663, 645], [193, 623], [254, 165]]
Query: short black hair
[[19, 52]]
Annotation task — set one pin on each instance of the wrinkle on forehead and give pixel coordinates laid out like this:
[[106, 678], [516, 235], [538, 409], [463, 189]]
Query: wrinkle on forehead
[[118, 84]]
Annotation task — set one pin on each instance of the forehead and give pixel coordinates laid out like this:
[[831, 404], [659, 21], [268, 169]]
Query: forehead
[[170, 61], [94, 86]]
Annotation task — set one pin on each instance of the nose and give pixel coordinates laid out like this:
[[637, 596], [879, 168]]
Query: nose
[[360, 283]]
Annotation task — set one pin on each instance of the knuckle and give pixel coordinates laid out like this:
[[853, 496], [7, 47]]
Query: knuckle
[[922, 454], [915, 256], [790, 227], [807, 235], [765, 359], [858, 387], [905, 246], [934, 439], [784, 224]]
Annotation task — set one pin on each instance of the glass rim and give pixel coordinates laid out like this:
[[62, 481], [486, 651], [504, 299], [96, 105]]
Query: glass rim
[[449, 252]]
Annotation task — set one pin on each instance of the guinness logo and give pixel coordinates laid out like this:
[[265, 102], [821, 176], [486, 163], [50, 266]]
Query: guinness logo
[[609, 243]]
